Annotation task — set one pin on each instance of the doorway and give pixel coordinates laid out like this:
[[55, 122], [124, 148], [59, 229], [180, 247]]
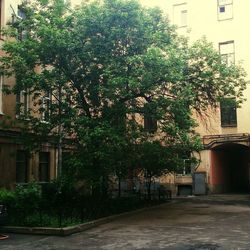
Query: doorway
[[230, 168]]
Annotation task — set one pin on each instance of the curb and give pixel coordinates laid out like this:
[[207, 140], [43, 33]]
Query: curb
[[66, 231]]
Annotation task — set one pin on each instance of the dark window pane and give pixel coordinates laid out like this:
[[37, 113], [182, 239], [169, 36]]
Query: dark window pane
[[20, 12], [222, 9], [44, 166], [228, 112], [150, 124], [21, 166]]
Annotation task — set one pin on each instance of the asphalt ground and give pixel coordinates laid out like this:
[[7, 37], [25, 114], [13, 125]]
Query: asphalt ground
[[207, 222]]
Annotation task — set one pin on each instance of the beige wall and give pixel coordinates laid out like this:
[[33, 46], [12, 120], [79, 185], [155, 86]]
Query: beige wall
[[7, 10], [9, 139], [202, 21], [9, 101]]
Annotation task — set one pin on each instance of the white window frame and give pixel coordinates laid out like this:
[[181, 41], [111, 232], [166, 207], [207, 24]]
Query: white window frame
[[228, 13], [180, 15], [185, 167], [46, 100], [1, 14], [19, 15], [183, 18], [227, 54], [24, 100]]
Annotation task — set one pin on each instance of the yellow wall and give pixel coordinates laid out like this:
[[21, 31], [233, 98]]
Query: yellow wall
[[202, 21]]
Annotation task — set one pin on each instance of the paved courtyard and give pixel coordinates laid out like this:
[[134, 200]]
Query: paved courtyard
[[210, 222]]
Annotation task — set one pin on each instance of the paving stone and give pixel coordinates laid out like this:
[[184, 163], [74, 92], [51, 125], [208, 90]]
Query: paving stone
[[192, 223]]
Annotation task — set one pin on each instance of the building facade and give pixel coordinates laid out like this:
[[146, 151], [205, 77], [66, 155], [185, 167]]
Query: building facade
[[225, 131], [16, 165], [224, 160]]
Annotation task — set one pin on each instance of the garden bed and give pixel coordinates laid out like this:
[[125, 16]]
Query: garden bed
[[65, 231], [32, 207]]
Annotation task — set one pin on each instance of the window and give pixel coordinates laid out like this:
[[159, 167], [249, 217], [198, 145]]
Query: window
[[20, 16], [186, 168], [225, 9], [1, 95], [20, 12], [180, 15], [222, 9], [21, 166], [23, 104], [1, 13], [227, 52], [44, 166], [45, 107], [228, 112], [183, 18], [150, 124]]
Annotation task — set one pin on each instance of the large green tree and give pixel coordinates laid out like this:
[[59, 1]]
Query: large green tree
[[107, 64]]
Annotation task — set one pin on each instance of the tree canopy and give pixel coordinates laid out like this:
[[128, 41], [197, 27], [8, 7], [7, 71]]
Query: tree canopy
[[98, 69]]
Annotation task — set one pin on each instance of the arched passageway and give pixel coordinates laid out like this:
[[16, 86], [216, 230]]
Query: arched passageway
[[230, 168]]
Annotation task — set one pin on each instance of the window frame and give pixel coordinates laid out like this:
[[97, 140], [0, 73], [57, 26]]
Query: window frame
[[1, 95], [150, 124], [20, 15], [179, 18], [23, 104], [232, 53], [46, 101], [183, 18], [1, 16], [41, 164], [226, 118], [184, 170], [25, 163], [225, 5]]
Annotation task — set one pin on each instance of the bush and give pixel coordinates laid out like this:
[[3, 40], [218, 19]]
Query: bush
[[57, 204], [28, 197], [25, 200], [7, 198]]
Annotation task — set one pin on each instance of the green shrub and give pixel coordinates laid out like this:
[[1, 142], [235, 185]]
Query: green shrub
[[28, 197], [7, 198]]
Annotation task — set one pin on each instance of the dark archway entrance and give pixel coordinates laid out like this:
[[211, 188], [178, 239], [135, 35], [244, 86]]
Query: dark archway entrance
[[230, 168]]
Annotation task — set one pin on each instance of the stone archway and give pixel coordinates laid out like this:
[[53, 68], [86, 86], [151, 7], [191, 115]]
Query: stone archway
[[229, 171]]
